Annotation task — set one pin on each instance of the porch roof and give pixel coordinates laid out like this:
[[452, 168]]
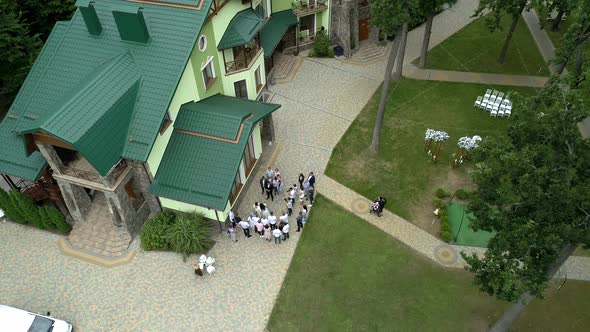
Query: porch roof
[[242, 28], [204, 154], [275, 29]]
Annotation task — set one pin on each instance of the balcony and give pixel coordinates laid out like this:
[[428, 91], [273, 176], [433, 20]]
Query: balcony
[[308, 7], [80, 172], [242, 57]]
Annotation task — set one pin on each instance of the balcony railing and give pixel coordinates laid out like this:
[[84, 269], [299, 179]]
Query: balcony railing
[[304, 8], [93, 176], [242, 59]]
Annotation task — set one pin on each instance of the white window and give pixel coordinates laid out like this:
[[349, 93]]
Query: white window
[[208, 72], [202, 43]]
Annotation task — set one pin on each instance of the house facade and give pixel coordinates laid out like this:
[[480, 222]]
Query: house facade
[[350, 20], [150, 104]]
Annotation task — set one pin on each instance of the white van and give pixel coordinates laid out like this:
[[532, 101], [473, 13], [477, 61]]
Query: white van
[[16, 320]]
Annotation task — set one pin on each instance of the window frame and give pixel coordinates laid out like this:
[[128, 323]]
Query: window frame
[[208, 65]]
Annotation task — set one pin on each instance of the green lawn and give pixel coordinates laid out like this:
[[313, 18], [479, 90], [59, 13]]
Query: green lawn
[[475, 49], [402, 172], [347, 275]]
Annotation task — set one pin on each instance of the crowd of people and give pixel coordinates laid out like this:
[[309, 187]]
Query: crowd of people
[[265, 223]]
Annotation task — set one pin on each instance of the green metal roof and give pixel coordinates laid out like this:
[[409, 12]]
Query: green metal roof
[[201, 170], [72, 57], [275, 29], [241, 29]]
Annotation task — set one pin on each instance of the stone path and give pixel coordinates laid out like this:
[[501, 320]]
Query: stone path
[[414, 72], [418, 239], [541, 37]]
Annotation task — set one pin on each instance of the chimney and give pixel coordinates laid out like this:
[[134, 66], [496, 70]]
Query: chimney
[[90, 18], [131, 24]]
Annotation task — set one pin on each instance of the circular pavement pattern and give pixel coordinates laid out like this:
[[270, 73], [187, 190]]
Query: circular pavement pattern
[[360, 205], [445, 254]]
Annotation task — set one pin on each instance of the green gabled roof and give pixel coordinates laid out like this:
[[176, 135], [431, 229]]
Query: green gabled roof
[[199, 169], [94, 117], [70, 56], [275, 29], [242, 28]]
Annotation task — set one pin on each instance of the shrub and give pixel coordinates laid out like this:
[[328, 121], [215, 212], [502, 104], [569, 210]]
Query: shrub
[[321, 45], [463, 194], [27, 208], [441, 193], [445, 227], [7, 205], [189, 234], [57, 219], [437, 203], [153, 233], [446, 236]]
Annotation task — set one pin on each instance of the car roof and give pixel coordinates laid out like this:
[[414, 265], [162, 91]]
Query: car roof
[[17, 320]]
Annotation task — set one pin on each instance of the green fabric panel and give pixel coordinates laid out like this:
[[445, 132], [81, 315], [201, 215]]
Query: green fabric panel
[[242, 28], [275, 29], [199, 170], [71, 54]]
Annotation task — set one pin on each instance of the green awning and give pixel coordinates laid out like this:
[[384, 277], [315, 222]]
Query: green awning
[[275, 29], [206, 148], [242, 28]]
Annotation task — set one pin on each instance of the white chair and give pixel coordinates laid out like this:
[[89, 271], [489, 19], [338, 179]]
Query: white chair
[[478, 101], [202, 259], [501, 110], [488, 93], [508, 111], [210, 269], [501, 95], [490, 104], [495, 93], [210, 261], [494, 113]]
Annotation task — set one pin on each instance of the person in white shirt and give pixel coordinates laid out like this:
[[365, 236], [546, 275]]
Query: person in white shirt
[[264, 221], [252, 221], [289, 206], [285, 218], [232, 216], [272, 219], [257, 208], [246, 227], [277, 234], [285, 232]]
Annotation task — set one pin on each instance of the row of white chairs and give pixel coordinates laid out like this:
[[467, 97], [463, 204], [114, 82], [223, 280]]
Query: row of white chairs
[[495, 103]]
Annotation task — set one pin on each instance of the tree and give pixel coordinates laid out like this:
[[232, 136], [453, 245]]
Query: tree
[[18, 50], [533, 190], [429, 8], [43, 17], [497, 9], [7, 205], [57, 219], [388, 16]]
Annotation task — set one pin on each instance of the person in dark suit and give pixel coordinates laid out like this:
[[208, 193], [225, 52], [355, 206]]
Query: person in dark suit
[[269, 193], [311, 179], [263, 182], [301, 179]]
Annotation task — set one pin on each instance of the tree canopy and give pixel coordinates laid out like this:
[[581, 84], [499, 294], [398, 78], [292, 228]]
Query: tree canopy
[[533, 190]]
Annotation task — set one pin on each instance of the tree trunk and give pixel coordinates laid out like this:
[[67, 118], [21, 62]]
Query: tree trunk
[[426, 40], [384, 92], [505, 322], [508, 38], [579, 65], [557, 20], [402, 49]]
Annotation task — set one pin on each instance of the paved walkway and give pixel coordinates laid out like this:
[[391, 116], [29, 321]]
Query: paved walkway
[[419, 240], [414, 72], [541, 37]]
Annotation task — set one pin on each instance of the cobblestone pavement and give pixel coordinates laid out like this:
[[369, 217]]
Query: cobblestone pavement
[[157, 291]]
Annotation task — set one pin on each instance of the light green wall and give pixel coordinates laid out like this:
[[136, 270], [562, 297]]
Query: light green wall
[[199, 59], [180, 206], [185, 92], [224, 16], [280, 5], [257, 141], [323, 19], [248, 75]]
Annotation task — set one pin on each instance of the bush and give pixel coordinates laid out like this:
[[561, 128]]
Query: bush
[[445, 227], [57, 220], [7, 205], [21, 209], [437, 203], [441, 193], [446, 236], [189, 234], [153, 233], [321, 45], [463, 194]]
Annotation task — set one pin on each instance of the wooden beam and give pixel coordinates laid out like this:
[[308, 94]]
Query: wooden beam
[[46, 138]]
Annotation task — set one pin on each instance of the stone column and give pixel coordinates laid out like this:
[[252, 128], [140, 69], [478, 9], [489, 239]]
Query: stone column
[[75, 197]]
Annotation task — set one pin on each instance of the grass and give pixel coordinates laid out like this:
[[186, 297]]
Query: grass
[[475, 49], [347, 275], [403, 172]]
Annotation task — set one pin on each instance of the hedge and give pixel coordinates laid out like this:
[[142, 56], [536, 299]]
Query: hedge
[[21, 209]]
